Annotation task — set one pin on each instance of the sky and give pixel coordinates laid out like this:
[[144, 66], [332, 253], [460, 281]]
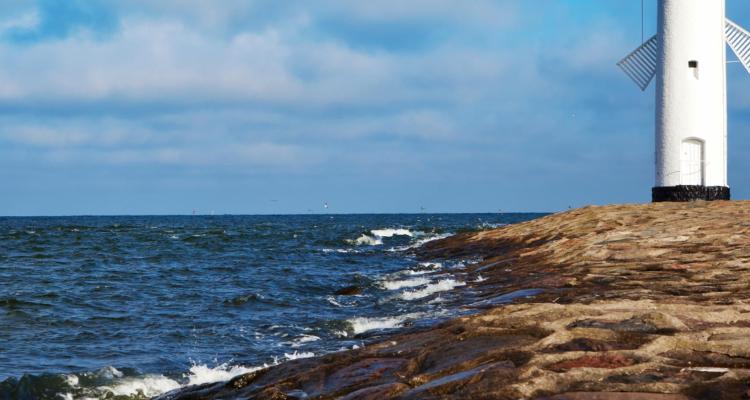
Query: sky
[[264, 106]]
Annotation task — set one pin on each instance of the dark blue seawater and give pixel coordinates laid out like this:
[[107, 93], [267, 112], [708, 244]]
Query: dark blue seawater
[[99, 307]]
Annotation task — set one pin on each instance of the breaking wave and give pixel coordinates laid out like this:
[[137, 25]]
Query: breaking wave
[[441, 286], [110, 381], [375, 238], [362, 325], [406, 283]]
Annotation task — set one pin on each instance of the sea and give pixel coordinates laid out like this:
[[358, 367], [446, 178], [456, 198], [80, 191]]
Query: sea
[[130, 307]]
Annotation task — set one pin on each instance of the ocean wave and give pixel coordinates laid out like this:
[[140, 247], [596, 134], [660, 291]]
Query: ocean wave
[[429, 239], [149, 385], [375, 238], [361, 325], [296, 355], [109, 381], [154, 384], [341, 251], [441, 286], [421, 242], [390, 232], [424, 268], [333, 301], [304, 339], [365, 240], [201, 373], [406, 283]]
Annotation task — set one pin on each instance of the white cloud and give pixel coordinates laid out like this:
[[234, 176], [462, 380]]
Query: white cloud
[[24, 20]]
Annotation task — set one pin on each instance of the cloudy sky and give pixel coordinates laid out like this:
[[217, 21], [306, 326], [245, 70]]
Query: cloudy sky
[[268, 106]]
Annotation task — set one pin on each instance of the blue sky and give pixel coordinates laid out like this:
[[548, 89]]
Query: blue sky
[[267, 106]]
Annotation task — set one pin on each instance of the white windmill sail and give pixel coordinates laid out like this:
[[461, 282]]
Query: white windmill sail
[[739, 40], [640, 65]]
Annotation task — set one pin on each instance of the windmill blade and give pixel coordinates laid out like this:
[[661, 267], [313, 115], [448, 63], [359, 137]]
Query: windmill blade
[[739, 40], [640, 65]]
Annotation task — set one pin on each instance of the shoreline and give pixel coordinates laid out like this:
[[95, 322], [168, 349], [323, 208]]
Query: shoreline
[[648, 300]]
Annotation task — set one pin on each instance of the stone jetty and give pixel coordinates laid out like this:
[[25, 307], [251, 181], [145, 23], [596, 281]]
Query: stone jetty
[[622, 302]]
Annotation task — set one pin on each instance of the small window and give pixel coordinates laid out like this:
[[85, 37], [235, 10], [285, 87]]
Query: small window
[[693, 64]]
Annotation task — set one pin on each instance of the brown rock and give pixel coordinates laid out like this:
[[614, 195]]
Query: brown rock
[[623, 302], [349, 291]]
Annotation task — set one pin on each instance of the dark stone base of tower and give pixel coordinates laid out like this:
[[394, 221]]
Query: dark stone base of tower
[[689, 193]]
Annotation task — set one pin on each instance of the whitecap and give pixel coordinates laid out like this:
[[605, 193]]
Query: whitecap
[[413, 272], [429, 239], [441, 286], [154, 385], [425, 268], [71, 380], [421, 242], [480, 278], [341, 251], [406, 283], [110, 372], [201, 373], [149, 385], [304, 339], [390, 232], [367, 240], [333, 301], [361, 324], [376, 236], [296, 355]]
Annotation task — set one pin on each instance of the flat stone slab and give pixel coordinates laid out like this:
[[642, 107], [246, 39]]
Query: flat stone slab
[[623, 302]]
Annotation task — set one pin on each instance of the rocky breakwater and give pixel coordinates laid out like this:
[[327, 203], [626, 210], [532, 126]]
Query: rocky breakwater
[[631, 302]]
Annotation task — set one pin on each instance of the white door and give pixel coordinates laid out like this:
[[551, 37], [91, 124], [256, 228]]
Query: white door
[[691, 171]]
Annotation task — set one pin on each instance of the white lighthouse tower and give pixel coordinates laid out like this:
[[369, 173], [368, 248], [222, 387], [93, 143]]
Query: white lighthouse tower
[[688, 57]]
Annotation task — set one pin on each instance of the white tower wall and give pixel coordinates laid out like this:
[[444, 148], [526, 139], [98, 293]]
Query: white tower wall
[[691, 102]]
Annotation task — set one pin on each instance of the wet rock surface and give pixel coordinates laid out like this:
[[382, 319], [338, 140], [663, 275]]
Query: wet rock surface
[[627, 302]]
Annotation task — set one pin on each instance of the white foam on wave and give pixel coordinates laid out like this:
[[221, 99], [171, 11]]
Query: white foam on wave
[[342, 251], [375, 238], [71, 380], [367, 240], [201, 373], [154, 385], [428, 239], [361, 325], [440, 286], [480, 278], [334, 302], [304, 339], [109, 372], [425, 268], [406, 283], [149, 385], [389, 232], [421, 242], [296, 355]]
